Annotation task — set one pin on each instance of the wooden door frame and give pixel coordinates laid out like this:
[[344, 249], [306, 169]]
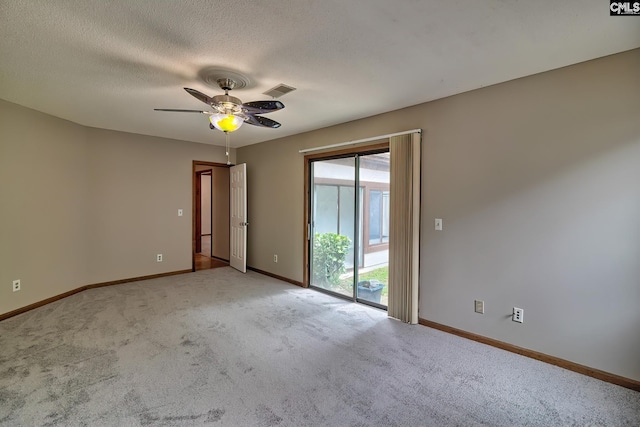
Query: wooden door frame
[[195, 203], [361, 149]]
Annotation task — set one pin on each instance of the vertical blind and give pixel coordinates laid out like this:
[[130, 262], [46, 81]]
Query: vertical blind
[[404, 238]]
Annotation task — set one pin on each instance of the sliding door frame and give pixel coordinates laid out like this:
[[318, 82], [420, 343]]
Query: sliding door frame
[[375, 148]]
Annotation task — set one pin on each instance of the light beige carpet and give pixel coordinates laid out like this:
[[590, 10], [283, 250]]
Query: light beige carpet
[[222, 348]]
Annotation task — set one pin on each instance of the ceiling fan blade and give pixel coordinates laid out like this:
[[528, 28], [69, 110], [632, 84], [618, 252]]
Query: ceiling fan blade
[[262, 121], [262, 107], [200, 96], [174, 110]]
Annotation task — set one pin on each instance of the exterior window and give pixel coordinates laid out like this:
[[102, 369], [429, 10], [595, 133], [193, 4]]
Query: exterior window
[[378, 217], [327, 208]]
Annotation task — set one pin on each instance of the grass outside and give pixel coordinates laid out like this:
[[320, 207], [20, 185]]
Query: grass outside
[[381, 274]]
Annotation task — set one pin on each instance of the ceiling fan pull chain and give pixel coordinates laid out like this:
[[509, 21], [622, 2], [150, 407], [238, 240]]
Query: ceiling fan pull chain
[[226, 137]]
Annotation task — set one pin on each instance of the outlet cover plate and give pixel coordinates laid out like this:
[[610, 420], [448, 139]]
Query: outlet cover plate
[[16, 285], [518, 315]]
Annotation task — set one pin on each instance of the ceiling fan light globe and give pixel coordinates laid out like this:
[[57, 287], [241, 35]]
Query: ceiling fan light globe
[[226, 122]]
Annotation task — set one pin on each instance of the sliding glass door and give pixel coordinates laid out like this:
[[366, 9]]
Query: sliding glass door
[[333, 208], [349, 237], [373, 270]]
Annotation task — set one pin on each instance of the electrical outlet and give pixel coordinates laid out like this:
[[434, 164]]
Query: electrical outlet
[[16, 285], [275, 258], [518, 315], [479, 306], [159, 257]]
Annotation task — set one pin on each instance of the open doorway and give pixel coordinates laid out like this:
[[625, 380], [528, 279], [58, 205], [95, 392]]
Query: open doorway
[[210, 215]]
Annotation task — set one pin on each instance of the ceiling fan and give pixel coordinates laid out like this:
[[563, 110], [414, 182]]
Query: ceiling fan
[[229, 113]]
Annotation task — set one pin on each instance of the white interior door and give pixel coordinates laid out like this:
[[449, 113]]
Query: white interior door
[[238, 217]]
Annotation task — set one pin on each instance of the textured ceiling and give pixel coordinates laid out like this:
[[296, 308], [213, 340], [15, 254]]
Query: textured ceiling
[[108, 63]]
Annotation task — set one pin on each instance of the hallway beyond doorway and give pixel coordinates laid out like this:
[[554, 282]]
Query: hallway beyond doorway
[[203, 260]]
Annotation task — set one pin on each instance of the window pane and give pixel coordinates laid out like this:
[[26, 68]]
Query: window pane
[[333, 225], [385, 216], [373, 275], [326, 209], [375, 214]]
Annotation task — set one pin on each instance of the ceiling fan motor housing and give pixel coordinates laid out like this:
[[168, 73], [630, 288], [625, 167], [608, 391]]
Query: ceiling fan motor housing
[[227, 104]]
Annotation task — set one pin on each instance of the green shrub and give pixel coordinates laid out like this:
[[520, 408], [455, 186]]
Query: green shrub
[[329, 253]]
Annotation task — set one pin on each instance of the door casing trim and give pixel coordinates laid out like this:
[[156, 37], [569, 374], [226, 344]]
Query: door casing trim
[[196, 163]]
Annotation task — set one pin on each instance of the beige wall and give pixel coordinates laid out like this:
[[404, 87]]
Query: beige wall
[[44, 189], [83, 205], [537, 183]]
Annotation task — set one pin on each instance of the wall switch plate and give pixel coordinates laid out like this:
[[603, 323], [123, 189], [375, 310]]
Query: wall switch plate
[[438, 224], [179, 212], [479, 306], [518, 315], [16, 285], [159, 257], [275, 258]]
